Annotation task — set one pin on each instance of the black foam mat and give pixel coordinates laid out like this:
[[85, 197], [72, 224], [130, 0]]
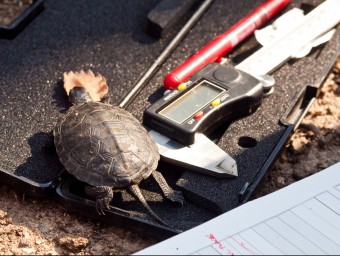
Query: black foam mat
[[109, 37]]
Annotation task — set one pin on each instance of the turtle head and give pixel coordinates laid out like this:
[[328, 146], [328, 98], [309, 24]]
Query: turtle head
[[79, 95], [85, 86]]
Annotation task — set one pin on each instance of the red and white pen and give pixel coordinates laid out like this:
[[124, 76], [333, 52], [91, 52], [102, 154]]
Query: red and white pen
[[224, 43]]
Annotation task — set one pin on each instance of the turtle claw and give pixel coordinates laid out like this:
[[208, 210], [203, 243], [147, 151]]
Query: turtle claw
[[102, 204], [175, 196], [103, 196]]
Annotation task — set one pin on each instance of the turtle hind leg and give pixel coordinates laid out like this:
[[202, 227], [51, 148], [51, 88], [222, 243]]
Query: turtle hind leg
[[169, 193], [135, 191], [103, 196]]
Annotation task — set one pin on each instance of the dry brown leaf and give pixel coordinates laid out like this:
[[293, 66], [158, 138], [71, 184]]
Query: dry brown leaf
[[95, 85]]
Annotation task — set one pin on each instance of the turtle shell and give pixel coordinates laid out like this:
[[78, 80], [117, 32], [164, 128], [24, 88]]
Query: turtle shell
[[104, 145]]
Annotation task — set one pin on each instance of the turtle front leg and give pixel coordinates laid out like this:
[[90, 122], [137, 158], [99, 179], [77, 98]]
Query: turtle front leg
[[169, 193], [103, 196]]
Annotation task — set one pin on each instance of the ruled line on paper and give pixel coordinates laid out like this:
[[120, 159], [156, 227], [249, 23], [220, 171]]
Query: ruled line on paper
[[337, 187], [312, 219], [228, 249], [276, 239], [331, 201], [209, 250], [324, 212], [310, 233], [293, 237], [256, 239], [244, 245], [220, 247]]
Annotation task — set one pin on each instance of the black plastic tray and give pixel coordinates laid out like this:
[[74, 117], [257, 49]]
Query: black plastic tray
[[109, 38]]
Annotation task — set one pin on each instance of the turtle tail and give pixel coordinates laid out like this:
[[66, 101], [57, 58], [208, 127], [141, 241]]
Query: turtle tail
[[134, 189]]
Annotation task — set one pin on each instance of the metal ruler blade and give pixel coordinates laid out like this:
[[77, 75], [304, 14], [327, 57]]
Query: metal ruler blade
[[317, 22]]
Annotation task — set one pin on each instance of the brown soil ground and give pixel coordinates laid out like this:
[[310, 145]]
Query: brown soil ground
[[315, 145], [43, 227]]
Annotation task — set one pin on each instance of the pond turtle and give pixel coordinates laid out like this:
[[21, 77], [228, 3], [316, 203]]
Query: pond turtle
[[105, 146]]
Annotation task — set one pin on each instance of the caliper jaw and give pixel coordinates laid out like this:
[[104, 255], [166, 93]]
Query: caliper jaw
[[203, 156]]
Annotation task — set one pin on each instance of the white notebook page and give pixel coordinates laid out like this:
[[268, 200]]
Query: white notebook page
[[303, 218]]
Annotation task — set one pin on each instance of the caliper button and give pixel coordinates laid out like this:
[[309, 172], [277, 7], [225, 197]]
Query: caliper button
[[182, 86], [198, 115], [226, 74], [216, 102]]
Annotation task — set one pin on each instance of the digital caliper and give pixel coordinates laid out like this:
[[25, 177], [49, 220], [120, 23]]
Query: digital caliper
[[212, 96], [217, 92]]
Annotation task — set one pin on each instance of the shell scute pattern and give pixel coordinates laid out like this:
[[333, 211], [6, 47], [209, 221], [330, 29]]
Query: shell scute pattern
[[83, 151], [105, 146], [72, 123]]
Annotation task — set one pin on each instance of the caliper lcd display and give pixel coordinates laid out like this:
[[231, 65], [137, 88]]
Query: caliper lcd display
[[191, 102]]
